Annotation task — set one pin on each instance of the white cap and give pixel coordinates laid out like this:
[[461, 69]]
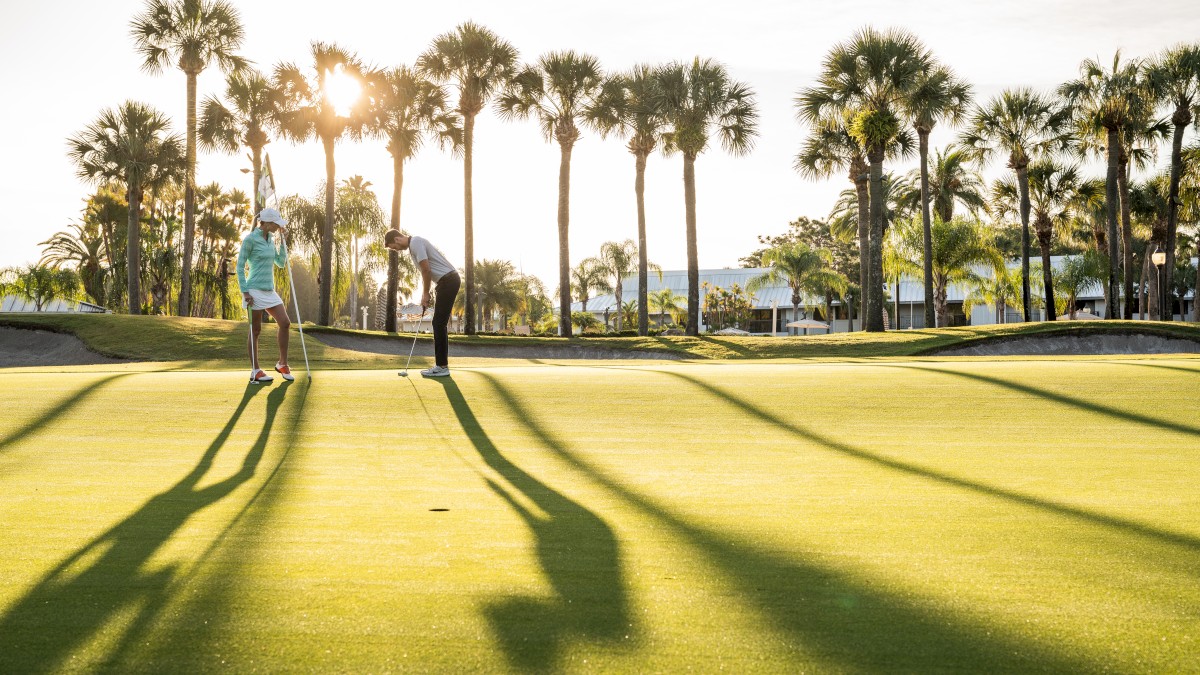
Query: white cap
[[269, 215]]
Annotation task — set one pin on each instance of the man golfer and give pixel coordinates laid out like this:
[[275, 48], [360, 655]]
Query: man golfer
[[434, 269], [262, 251]]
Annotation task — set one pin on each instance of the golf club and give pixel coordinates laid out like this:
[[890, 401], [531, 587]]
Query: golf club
[[404, 373]]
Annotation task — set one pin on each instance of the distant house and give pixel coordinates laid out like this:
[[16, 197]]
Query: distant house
[[13, 303], [773, 304]]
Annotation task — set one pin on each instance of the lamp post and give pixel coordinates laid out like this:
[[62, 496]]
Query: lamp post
[[1158, 258]]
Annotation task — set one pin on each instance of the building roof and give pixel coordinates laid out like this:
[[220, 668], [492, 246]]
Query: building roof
[[14, 303]]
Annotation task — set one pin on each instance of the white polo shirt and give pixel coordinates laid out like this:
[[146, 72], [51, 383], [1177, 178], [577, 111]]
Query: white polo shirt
[[420, 249]]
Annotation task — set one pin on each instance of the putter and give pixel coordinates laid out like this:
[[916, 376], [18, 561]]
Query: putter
[[404, 373]]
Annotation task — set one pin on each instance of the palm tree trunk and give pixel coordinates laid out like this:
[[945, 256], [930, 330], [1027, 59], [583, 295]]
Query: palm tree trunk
[[639, 188], [1148, 297], [1182, 118], [927, 226], [326, 285], [189, 201], [689, 204], [939, 299], [874, 317], [1111, 198], [393, 268], [133, 246], [620, 307], [1047, 276], [564, 249], [1126, 235], [469, 229], [862, 188], [1026, 300]]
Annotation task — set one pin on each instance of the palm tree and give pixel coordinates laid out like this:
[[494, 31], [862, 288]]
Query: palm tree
[[480, 64], [358, 215], [629, 106], [1102, 101], [1056, 191], [951, 182], [999, 291], [620, 260], [588, 276], [1022, 124], [844, 217], [938, 95], [250, 108], [409, 110], [825, 152], [866, 84], [132, 144], [698, 100], [667, 303], [958, 247], [1149, 203], [1077, 274], [1175, 80], [82, 248], [560, 90], [802, 269], [311, 112], [497, 286], [191, 35]]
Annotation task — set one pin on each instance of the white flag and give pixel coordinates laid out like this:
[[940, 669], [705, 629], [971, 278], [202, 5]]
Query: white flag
[[266, 184]]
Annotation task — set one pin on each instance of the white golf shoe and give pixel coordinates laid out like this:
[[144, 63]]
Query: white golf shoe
[[260, 377], [436, 371]]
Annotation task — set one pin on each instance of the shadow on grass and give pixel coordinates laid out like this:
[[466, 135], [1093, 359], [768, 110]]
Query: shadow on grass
[[57, 410], [577, 551], [108, 578], [1061, 398], [825, 611]]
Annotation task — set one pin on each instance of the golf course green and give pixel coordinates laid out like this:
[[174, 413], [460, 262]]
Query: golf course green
[[1036, 515]]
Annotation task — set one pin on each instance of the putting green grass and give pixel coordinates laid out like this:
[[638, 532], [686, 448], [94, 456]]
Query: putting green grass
[[1019, 516]]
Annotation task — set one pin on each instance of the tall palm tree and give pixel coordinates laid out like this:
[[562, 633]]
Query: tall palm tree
[[588, 276], [800, 268], [243, 119], [358, 215], [310, 112], [1021, 124], [1174, 77], [409, 111], [698, 100], [560, 90], [951, 183], [1056, 191], [1149, 201], [132, 144], [938, 95], [480, 64], [866, 84], [629, 106], [825, 152], [191, 35], [498, 289], [959, 246], [1101, 101]]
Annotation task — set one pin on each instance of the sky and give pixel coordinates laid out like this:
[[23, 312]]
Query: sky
[[66, 60]]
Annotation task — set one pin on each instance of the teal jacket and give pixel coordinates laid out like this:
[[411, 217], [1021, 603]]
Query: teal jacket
[[260, 252]]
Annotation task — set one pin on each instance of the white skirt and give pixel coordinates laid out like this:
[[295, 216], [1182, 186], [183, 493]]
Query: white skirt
[[262, 299]]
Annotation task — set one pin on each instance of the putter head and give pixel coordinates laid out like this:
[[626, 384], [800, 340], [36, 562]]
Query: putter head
[[403, 373]]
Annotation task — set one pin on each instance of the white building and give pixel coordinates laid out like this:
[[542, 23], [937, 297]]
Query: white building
[[13, 303], [773, 304]]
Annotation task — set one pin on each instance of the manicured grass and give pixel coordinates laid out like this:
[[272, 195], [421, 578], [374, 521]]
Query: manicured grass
[[1016, 516], [216, 343]]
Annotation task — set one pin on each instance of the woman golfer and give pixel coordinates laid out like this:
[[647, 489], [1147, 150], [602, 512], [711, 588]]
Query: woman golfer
[[262, 253], [436, 269]]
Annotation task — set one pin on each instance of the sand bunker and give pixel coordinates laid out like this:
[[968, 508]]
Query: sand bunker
[[400, 347], [1076, 345], [22, 347]]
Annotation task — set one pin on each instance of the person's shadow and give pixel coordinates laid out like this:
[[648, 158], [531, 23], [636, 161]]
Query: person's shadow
[[577, 551], [106, 577]]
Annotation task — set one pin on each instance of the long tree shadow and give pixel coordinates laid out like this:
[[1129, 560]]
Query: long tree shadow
[[577, 551], [1060, 398], [1180, 369], [57, 410], [107, 577], [826, 611]]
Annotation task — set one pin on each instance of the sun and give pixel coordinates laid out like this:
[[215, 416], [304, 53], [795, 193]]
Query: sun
[[342, 89]]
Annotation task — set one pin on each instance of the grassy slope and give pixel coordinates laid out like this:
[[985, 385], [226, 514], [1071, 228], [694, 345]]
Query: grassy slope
[[1003, 516], [215, 342]]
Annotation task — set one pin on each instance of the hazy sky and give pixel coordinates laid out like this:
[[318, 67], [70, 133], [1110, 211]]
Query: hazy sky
[[63, 61]]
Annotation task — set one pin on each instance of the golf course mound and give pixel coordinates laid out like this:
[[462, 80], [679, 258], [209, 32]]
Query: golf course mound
[[20, 347], [1075, 344], [400, 346]]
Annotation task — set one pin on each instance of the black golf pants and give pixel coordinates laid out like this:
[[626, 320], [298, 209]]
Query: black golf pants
[[446, 291]]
